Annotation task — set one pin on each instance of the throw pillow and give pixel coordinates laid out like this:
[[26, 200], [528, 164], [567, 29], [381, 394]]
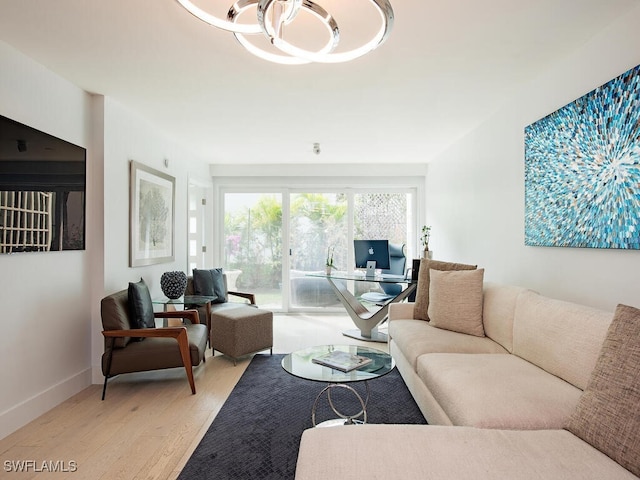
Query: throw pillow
[[210, 283], [421, 307], [140, 306], [607, 413], [455, 301]]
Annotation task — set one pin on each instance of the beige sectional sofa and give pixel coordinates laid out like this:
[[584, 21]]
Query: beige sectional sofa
[[499, 405], [528, 372]]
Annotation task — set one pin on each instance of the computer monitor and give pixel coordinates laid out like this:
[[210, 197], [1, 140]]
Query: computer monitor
[[372, 250]]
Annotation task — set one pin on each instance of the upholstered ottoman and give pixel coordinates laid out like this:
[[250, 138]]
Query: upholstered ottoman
[[240, 331]]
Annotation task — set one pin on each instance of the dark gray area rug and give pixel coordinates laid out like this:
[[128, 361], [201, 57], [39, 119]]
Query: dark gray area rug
[[257, 432]]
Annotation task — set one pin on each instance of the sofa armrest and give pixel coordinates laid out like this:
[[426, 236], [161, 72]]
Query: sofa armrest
[[401, 311]]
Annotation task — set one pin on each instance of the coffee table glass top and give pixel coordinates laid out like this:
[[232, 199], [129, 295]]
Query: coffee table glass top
[[300, 364]]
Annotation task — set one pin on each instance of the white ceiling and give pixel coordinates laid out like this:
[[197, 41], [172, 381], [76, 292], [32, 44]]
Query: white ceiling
[[445, 66]]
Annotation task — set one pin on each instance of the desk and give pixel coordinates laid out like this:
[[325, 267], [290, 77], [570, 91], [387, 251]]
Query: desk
[[367, 321]]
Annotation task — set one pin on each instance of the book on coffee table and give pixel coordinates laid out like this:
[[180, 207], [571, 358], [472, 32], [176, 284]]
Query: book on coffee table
[[343, 361]]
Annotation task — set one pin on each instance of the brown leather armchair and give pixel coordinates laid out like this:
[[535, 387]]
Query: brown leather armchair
[[206, 310], [159, 348]]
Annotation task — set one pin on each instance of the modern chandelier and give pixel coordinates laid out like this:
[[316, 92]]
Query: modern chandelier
[[273, 18]]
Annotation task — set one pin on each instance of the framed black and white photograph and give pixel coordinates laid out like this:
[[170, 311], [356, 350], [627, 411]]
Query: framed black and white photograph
[[151, 216]]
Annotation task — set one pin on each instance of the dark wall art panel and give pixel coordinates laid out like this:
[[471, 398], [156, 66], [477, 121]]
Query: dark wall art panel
[[582, 170], [42, 191]]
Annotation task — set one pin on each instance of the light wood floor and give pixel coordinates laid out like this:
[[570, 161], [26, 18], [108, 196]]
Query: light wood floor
[[149, 423]]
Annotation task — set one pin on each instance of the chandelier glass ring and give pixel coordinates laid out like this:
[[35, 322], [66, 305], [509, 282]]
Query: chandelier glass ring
[[206, 17], [313, 8], [386, 15], [273, 15]]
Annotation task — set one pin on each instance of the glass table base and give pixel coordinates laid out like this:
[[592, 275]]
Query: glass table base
[[375, 336], [338, 422]]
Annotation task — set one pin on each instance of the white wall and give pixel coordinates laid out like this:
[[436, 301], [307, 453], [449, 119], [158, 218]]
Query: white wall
[[127, 136], [475, 190], [44, 345], [50, 346]]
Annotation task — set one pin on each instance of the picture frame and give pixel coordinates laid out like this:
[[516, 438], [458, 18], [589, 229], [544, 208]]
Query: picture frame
[[151, 216], [581, 170]]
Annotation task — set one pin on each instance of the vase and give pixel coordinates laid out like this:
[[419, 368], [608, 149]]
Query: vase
[[173, 284], [329, 270], [426, 253]]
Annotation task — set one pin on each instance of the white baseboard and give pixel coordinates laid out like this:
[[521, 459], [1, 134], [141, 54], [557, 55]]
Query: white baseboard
[[30, 409], [97, 377]]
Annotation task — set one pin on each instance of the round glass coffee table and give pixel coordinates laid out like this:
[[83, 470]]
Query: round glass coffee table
[[301, 364]]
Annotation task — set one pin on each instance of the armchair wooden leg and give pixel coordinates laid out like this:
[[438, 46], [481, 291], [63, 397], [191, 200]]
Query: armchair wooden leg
[[183, 343], [104, 387]]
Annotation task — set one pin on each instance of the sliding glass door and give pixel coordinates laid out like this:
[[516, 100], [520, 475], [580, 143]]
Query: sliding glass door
[[318, 229], [253, 245], [273, 240]]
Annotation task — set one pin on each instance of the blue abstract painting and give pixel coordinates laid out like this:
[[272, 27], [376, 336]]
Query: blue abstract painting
[[582, 170]]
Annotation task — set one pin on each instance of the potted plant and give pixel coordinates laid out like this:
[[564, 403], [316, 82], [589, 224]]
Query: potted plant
[[329, 262], [426, 235]]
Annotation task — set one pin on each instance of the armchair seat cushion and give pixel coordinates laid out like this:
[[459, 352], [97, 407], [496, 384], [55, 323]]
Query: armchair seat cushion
[[156, 353]]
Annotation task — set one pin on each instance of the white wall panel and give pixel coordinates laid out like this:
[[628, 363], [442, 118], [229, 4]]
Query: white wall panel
[[475, 190]]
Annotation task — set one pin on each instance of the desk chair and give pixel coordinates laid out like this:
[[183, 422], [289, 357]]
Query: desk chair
[[398, 262]]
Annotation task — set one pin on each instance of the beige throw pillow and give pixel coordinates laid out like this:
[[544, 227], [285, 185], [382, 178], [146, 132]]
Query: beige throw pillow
[[607, 415], [455, 301], [421, 307]]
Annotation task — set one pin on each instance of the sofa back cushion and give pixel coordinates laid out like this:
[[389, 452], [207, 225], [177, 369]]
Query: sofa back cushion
[[114, 310], [607, 413], [560, 337], [499, 307]]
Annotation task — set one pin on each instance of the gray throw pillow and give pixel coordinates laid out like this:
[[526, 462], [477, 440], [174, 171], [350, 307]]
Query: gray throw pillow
[[209, 283], [140, 305]]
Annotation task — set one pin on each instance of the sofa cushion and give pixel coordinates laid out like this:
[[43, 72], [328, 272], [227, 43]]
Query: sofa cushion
[[415, 338], [413, 452], [420, 311], [498, 310], [607, 414], [455, 301], [140, 305], [577, 332], [209, 283], [497, 391]]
